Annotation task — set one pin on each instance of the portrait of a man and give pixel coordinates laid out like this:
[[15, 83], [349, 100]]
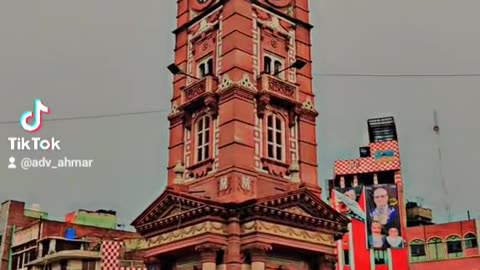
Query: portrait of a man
[[383, 212]]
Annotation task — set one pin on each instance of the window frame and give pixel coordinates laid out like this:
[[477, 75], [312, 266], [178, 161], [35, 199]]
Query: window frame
[[436, 243], [274, 143], [470, 238], [205, 61], [273, 59], [417, 258], [206, 143], [458, 241]]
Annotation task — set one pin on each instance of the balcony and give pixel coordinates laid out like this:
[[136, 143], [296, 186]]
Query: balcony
[[277, 87], [198, 90]]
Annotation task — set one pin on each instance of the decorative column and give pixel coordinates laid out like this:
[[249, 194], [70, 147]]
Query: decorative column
[[233, 256], [328, 262], [258, 252], [208, 255]]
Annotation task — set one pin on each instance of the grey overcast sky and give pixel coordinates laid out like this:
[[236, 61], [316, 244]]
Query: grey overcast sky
[[106, 57]]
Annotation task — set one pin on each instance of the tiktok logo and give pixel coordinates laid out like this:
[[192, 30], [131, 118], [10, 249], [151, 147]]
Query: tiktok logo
[[38, 110]]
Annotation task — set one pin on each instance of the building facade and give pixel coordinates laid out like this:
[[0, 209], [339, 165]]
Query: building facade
[[369, 189], [398, 235], [32, 241], [452, 245], [242, 187]]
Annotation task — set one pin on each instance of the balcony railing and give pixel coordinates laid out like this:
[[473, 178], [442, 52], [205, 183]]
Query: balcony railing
[[198, 89], [277, 86]]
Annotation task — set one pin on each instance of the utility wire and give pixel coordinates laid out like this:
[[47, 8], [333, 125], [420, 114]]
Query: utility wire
[[395, 75], [314, 74], [93, 116]]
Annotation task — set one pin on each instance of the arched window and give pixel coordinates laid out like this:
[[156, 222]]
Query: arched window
[[203, 138], [275, 137], [454, 246], [205, 67], [471, 241], [210, 67], [417, 251], [202, 70], [267, 65], [436, 249], [273, 65], [277, 67]]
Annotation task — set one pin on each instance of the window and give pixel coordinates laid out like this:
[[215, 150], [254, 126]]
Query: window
[[63, 265], [88, 265], [273, 65], [15, 260], [275, 137], [277, 67], [454, 247], [267, 65], [203, 138], [471, 241], [417, 251], [220, 256], [346, 257], [48, 267], [380, 256], [45, 248], [205, 67], [436, 249]]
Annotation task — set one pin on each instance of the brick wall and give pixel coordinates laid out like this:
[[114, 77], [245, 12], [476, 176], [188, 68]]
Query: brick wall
[[16, 217], [441, 230]]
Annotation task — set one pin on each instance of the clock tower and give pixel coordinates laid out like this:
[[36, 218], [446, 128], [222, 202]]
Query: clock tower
[[242, 174]]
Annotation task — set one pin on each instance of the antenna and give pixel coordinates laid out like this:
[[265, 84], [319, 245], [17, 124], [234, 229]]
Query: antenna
[[436, 129]]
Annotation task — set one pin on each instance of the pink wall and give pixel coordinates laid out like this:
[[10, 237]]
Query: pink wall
[[472, 263]]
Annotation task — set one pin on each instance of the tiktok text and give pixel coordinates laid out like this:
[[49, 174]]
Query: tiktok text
[[34, 143]]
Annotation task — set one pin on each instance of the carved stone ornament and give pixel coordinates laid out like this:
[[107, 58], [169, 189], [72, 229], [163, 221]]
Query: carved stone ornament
[[257, 249], [223, 183], [211, 102], [226, 83], [179, 171], [292, 117], [208, 251], [308, 105], [246, 183], [294, 171], [262, 101]]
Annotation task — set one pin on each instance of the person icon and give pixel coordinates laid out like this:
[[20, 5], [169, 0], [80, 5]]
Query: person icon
[[12, 163]]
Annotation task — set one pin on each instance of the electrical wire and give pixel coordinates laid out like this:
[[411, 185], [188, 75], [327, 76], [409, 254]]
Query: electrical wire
[[92, 116], [314, 75]]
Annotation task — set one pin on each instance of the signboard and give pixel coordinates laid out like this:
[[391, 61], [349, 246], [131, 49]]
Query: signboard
[[383, 217]]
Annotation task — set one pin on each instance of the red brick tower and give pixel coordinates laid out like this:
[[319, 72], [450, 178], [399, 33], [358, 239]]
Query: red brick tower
[[242, 175]]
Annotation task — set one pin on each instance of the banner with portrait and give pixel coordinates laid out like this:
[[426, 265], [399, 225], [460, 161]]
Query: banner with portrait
[[347, 199], [383, 217]]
